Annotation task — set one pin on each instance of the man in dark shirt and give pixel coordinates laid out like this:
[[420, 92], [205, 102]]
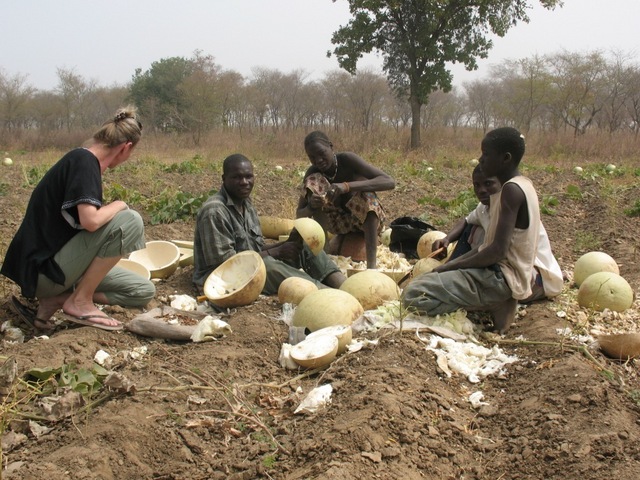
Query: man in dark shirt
[[228, 223]]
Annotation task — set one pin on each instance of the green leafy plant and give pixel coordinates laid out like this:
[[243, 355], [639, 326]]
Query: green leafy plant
[[12, 400], [188, 166], [33, 175], [82, 380], [115, 191], [269, 461], [574, 192], [634, 210], [586, 241], [4, 188], [171, 206], [460, 206], [548, 202], [443, 203]]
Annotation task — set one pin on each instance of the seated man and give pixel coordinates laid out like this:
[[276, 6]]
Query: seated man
[[228, 223]]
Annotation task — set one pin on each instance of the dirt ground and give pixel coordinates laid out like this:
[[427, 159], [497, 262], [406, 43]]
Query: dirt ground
[[224, 409]]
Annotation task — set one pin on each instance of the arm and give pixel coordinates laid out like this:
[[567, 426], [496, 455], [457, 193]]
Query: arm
[[217, 238], [92, 218], [288, 251], [363, 177], [511, 201], [452, 236]]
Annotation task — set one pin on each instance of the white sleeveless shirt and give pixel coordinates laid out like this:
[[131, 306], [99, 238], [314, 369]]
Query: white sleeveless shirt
[[517, 267]]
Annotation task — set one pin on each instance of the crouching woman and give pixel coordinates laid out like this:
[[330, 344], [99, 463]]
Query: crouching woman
[[67, 247]]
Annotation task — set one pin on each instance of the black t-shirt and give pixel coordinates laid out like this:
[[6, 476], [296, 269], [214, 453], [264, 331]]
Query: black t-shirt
[[52, 219]]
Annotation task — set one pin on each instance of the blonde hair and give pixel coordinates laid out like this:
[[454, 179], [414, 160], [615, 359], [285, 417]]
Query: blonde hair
[[123, 127]]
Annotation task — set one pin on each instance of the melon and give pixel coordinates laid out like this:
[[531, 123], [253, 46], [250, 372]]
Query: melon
[[426, 241], [294, 289], [311, 232], [424, 265], [325, 308], [134, 267], [593, 262], [315, 352], [385, 237], [342, 332], [273, 227], [621, 346], [236, 282], [602, 290], [372, 288]]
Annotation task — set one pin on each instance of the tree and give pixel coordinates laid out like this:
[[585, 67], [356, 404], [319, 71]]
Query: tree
[[524, 86], [231, 91], [632, 103], [200, 97], [15, 94], [334, 88], [578, 83], [481, 102], [618, 81], [156, 92], [366, 93], [76, 93], [417, 38]]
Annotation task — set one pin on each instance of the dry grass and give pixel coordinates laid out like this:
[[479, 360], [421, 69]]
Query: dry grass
[[438, 145]]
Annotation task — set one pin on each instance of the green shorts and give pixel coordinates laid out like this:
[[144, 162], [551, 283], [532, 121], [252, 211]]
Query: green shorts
[[121, 236], [314, 268], [471, 288]]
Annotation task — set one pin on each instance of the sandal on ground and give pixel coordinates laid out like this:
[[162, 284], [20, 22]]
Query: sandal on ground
[[29, 317], [86, 321]]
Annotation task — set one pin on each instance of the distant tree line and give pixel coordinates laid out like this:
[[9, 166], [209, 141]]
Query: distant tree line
[[566, 91]]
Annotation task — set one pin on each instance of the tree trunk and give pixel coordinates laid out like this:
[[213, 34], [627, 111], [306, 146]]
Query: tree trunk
[[416, 107]]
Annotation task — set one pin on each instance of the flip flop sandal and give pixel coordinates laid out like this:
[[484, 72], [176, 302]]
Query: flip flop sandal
[[86, 321], [26, 314], [29, 317]]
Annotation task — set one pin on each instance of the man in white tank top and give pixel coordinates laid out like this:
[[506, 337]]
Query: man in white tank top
[[495, 275]]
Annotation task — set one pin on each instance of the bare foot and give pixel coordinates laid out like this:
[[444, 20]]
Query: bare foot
[[48, 306], [503, 315], [88, 312]]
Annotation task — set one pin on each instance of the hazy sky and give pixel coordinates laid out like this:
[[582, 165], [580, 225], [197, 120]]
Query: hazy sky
[[107, 40]]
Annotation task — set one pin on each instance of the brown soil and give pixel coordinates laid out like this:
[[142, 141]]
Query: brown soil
[[224, 409]]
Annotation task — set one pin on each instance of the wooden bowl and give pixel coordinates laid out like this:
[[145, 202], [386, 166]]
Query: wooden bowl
[[186, 256], [135, 267], [160, 257], [238, 281]]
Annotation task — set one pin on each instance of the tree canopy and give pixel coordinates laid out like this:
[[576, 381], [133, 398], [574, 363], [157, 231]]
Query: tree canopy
[[418, 38]]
